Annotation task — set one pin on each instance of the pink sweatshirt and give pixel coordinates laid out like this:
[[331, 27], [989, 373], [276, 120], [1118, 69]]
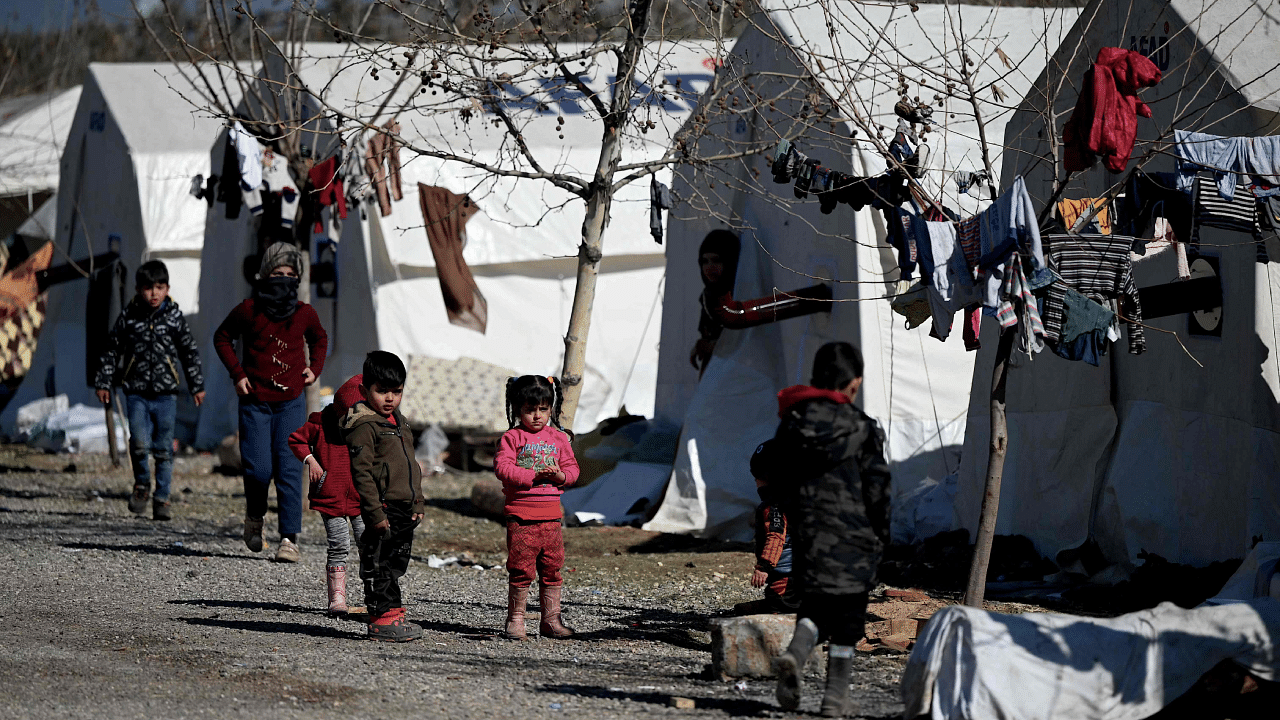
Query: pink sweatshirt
[[521, 454]]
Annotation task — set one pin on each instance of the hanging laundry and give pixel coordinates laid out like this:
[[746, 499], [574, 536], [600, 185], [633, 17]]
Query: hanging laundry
[[1082, 315], [327, 186], [1165, 237], [446, 215], [1149, 196], [1007, 224], [969, 236], [1070, 211], [898, 223], [1098, 266], [659, 200], [353, 172], [277, 180], [248, 155], [229, 190], [1104, 121], [950, 283], [1227, 158], [382, 162], [967, 179], [972, 328], [911, 301], [1239, 214]]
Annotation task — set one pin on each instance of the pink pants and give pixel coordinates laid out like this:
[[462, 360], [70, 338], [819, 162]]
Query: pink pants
[[534, 549]]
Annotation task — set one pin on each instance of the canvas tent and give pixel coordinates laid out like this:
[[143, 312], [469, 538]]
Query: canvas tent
[[916, 386], [520, 246], [131, 151], [1151, 452], [33, 130]]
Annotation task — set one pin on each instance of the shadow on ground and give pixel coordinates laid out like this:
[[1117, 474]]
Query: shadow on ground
[[275, 627]]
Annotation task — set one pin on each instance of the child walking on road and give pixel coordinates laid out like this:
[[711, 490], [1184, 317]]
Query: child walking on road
[[276, 334], [535, 463], [389, 481], [323, 451], [837, 502], [149, 340]]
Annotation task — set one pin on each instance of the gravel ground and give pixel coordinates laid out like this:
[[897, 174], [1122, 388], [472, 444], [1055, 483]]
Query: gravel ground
[[112, 616]]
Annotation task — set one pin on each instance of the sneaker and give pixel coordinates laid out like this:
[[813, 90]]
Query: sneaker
[[138, 501], [287, 552], [253, 534], [392, 627], [160, 510]]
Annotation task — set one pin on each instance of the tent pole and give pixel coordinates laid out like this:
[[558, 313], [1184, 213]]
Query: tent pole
[[977, 587]]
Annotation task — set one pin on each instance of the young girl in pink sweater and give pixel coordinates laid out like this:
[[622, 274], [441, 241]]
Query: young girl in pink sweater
[[535, 463]]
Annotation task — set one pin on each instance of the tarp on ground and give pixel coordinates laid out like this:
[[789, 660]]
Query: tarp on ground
[[971, 664], [1150, 452], [915, 386]]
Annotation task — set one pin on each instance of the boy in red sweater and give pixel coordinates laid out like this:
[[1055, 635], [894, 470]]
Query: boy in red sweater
[[276, 334], [321, 446], [535, 463]]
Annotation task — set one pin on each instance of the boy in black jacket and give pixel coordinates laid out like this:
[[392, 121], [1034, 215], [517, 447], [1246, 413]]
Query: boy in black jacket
[[837, 501], [149, 340]]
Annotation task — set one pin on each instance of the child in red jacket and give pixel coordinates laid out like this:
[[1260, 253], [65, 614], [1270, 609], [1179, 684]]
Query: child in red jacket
[[320, 446], [535, 463]]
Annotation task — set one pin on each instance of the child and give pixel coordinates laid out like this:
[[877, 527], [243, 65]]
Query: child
[[276, 334], [149, 340], [773, 542], [838, 505], [535, 463], [323, 451], [389, 481]]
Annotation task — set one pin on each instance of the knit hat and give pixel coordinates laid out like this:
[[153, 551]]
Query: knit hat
[[349, 394], [280, 254]]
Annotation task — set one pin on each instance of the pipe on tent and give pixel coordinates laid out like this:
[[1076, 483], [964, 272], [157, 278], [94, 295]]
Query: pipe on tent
[[742, 314]]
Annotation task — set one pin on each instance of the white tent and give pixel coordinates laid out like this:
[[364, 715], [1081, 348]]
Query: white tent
[[33, 131], [915, 386], [131, 151], [521, 246], [1151, 452]]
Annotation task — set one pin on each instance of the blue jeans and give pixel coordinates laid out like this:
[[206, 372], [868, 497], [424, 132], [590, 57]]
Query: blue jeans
[[265, 428], [151, 421]]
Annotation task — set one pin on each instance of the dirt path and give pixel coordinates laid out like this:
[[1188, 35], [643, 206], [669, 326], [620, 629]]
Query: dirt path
[[110, 616]]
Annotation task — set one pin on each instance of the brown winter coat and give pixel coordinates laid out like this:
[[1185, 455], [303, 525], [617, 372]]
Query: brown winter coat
[[383, 466]]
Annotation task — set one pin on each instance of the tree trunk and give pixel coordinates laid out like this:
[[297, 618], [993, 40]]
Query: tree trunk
[[312, 391], [599, 202], [995, 469]]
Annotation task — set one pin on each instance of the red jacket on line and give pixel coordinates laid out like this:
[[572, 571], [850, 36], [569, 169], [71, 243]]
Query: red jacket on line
[[274, 352], [1105, 120], [322, 438]]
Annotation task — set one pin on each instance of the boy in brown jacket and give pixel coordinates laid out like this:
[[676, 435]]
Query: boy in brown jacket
[[389, 481]]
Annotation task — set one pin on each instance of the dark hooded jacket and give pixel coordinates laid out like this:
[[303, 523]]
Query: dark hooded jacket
[[383, 467], [828, 456], [145, 349]]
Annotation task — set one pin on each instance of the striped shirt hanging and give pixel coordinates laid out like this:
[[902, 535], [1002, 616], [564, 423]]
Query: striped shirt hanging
[[1098, 267], [1239, 214]]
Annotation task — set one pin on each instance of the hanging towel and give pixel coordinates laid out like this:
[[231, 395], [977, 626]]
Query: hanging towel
[[1099, 267], [1105, 121], [446, 215]]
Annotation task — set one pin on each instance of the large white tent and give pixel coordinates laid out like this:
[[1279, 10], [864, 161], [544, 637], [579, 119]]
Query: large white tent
[[915, 386], [1151, 452], [521, 245], [33, 131], [131, 151]]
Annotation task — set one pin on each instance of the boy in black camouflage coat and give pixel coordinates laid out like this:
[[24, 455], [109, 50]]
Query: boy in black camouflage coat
[[832, 456]]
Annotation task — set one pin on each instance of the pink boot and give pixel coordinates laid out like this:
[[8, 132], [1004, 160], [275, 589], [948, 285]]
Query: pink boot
[[337, 590]]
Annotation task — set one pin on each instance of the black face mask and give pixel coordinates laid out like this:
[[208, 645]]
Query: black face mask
[[276, 297]]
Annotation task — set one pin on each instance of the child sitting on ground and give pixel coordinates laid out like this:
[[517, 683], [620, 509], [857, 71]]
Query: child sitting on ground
[[389, 481], [149, 340], [321, 448], [773, 546], [535, 463]]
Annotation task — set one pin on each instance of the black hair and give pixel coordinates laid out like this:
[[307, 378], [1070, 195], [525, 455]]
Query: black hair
[[384, 370], [535, 390], [835, 365], [727, 245], [151, 272]]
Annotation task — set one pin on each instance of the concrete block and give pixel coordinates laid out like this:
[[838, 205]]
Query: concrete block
[[681, 703], [745, 646]]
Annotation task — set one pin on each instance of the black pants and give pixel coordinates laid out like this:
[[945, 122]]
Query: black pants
[[841, 619], [384, 558]]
